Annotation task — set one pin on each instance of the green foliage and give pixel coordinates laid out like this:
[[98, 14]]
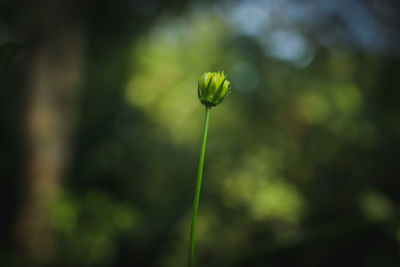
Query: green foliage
[[87, 226], [292, 153], [302, 167]]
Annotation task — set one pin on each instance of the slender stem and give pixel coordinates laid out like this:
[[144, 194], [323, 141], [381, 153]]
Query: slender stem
[[198, 186]]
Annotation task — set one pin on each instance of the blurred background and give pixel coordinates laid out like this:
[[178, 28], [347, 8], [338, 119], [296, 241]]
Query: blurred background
[[101, 130]]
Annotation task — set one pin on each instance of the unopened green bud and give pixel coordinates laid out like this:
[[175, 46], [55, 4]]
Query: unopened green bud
[[213, 87]]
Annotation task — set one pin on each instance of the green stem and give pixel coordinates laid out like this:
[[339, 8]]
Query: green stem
[[198, 187]]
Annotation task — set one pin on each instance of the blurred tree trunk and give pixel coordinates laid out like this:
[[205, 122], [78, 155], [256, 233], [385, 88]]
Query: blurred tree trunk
[[51, 72]]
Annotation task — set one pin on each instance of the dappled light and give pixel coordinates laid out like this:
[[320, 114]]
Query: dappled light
[[102, 127]]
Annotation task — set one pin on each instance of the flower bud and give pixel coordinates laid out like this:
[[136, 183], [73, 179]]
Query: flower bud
[[213, 87]]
